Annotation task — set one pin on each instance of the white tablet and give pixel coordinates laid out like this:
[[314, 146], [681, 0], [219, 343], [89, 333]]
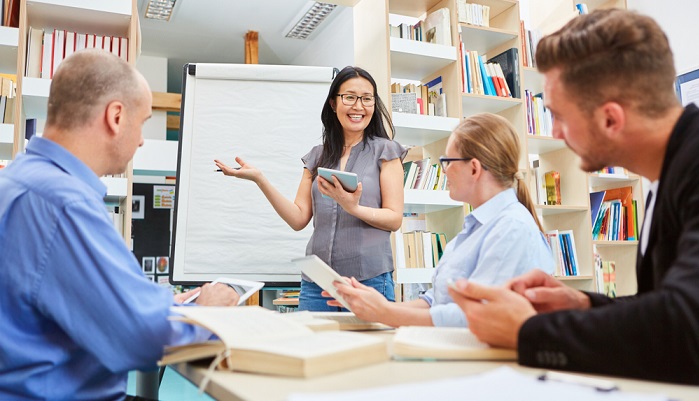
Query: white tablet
[[321, 274], [244, 288], [348, 180]]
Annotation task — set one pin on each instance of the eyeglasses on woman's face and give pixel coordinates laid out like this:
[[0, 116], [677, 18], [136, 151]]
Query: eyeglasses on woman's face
[[349, 99], [445, 161]]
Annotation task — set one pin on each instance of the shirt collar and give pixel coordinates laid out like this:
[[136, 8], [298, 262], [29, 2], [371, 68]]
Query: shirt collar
[[67, 162], [492, 208]]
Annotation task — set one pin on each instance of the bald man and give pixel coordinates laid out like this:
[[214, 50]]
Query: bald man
[[77, 313]]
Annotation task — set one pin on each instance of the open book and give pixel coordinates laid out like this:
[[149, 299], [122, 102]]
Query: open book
[[454, 343], [257, 340]]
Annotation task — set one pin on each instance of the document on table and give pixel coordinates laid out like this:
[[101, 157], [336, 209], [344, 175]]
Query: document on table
[[501, 384]]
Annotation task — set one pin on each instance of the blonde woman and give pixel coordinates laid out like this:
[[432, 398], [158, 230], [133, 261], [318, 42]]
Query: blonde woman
[[502, 237]]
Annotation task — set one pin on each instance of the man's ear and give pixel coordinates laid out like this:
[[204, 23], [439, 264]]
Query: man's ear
[[612, 119], [114, 115]]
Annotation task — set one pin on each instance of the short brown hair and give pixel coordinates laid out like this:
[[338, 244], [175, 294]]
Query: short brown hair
[[613, 55], [494, 141], [84, 83]]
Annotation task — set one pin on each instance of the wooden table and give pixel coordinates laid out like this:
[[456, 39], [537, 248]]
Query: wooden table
[[225, 385]]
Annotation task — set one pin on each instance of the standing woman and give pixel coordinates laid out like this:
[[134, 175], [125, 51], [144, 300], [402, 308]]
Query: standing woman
[[501, 239], [351, 231]]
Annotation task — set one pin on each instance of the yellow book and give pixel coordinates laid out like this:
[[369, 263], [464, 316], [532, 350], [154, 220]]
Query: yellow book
[[553, 188], [257, 340]]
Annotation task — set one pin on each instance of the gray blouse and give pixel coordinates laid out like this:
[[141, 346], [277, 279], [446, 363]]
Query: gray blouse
[[352, 247]]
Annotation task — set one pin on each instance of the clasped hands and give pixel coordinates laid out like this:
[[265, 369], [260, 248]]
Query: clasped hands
[[496, 314]]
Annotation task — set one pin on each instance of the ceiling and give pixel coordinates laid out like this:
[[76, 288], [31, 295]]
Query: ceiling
[[214, 31]]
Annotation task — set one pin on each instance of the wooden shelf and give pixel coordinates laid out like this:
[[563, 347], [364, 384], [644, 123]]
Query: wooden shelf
[[9, 38], [572, 278], [548, 210], [286, 302], [427, 201], [615, 243], [419, 130], [415, 60]]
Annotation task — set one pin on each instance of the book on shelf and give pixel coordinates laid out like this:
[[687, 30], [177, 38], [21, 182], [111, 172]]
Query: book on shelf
[[472, 13], [448, 343], [9, 111], [553, 239], [539, 182], [570, 255], [624, 227], [609, 277], [509, 62], [437, 27], [596, 199], [404, 103], [553, 187], [257, 340]]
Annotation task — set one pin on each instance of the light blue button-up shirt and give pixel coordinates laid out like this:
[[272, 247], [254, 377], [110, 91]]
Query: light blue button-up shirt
[[77, 313], [499, 241]]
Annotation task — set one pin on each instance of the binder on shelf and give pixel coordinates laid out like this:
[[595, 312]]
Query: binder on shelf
[[509, 62]]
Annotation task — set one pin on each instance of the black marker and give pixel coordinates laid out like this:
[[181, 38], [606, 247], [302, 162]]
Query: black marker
[[220, 171]]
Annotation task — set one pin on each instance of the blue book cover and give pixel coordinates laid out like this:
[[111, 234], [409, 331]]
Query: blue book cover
[[596, 199], [487, 81], [436, 85]]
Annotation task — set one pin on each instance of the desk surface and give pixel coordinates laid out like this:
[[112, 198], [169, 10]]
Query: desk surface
[[226, 385]]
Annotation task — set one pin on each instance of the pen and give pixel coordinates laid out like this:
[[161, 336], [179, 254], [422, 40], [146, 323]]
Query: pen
[[597, 384], [220, 171]]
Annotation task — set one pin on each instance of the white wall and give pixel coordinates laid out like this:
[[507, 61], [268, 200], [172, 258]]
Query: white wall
[[678, 19], [154, 69]]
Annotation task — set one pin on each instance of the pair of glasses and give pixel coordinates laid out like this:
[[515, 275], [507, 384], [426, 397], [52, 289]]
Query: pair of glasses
[[445, 161], [350, 100]]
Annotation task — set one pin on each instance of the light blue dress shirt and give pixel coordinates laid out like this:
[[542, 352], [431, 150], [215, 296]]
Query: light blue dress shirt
[[499, 241], [77, 313]]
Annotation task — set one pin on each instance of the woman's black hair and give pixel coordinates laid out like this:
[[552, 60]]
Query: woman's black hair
[[333, 139]]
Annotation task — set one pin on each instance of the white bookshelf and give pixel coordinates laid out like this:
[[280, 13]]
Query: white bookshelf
[[412, 59], [35, 97], [117, 189], [414, 275], [156, 157], [427, 201], [8, 49], [544, 144], [483, 39], [105, 17], [472, 103], [550, 210], [419, 130], [6, 140]]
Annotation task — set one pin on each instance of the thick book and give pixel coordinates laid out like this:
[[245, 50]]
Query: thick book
[[257, 340], [449, 343], [509, 63]]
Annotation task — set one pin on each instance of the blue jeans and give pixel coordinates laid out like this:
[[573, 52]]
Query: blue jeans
[[311, 300]]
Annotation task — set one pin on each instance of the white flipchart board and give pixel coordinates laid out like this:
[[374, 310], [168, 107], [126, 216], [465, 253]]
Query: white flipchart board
[[268, 115]]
